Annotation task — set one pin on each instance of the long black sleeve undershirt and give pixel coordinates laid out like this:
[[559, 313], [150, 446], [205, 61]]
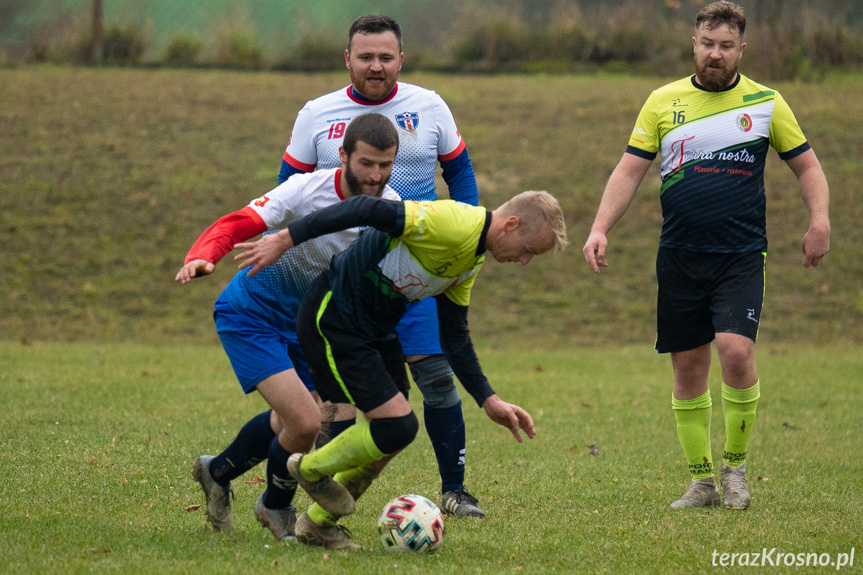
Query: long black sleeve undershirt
[[458, 348], [385, 215]]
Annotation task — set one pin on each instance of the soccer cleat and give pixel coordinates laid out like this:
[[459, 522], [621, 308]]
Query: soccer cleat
[[218, 498], [330, 536], [460, 503], [280, 522], [326, 492], [735, 490], [701, 493]]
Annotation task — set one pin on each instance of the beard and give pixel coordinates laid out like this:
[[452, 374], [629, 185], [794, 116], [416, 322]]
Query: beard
[[715, 81], [356, 187]]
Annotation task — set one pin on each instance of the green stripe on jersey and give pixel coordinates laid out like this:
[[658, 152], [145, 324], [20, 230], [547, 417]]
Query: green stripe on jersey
[[758, 95]]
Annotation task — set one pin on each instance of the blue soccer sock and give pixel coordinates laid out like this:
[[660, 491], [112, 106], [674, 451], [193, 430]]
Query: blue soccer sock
[[281, 487], [445, 428], [249, 448]]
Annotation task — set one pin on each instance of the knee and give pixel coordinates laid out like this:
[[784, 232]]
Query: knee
[[434, 378], [300, 435], [392, 434], [737, 360]]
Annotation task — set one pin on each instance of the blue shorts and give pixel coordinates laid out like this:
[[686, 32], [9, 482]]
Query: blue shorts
[[418, 329], [256, 349]]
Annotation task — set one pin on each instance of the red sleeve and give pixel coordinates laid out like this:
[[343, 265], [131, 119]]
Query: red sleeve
[[219, 238]]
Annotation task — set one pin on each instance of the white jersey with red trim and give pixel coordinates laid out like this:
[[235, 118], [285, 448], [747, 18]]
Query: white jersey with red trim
[[426, 127], [274, 294]]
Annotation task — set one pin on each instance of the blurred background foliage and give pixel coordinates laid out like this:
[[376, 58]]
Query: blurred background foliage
[[789, 39]]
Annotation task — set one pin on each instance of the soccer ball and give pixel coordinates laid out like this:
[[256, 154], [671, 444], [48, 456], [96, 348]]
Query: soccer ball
[[411, 523]]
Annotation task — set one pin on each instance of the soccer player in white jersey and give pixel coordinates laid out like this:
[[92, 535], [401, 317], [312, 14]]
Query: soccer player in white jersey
[[713, 131], [427, 136], [256, 318]]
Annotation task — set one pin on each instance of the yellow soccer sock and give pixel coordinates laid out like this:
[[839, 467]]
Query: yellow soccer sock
[[320, 516], [352, 448], [738, 406], [693, 431]]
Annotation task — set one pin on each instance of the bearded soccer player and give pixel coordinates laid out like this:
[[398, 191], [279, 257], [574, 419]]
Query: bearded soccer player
[[713, 131], [256, 318], [428, 136]]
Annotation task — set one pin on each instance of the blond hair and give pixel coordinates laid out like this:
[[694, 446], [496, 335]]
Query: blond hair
[[537, 210]]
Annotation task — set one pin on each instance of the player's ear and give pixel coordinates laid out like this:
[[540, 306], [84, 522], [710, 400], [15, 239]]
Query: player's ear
[[347, 59], [511, 224], [343, 156]]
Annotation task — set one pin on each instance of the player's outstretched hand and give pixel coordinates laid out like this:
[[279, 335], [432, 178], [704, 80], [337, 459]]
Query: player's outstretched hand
[[264, 252], [510, 416], [193, 269], [594, 251]]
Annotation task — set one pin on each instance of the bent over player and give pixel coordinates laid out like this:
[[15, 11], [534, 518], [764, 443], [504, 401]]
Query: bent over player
[[256, 318], [347, 326], [428, 136], [713, 131]]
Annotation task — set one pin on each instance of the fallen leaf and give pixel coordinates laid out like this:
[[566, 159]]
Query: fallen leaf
[[325, 556], [573, 448], [256, 480], [539, 368], [585, 404], [763, 479], [823, 404], [594, 450], [193, 507], [645, 485]]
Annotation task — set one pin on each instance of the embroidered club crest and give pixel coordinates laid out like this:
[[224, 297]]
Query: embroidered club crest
[[409, 121]]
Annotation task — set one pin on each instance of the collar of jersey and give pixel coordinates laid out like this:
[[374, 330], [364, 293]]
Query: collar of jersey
[[339, 184], [703, 89], [363, 101]]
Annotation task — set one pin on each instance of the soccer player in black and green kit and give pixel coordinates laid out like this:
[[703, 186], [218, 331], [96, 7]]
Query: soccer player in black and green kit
[[713, 131], [347, 325]]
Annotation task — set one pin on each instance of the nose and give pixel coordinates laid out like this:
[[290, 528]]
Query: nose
[[375, 175], [376, 65]]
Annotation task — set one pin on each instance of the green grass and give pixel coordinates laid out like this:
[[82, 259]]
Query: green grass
[[108, 176], [98, 441]]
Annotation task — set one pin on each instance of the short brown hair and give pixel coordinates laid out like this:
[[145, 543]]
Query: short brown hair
[[722, 13], [375, 24], [373, 129]]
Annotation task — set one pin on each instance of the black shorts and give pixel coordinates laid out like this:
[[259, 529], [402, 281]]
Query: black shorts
[[702, 294], [345, 367]]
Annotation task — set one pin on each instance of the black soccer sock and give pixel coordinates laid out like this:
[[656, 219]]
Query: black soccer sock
[[445, 428], [281, 487], [249, 448]]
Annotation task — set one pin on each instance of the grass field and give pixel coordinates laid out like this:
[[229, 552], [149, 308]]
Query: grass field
[[98, 441], [112, 381], [108, 176]]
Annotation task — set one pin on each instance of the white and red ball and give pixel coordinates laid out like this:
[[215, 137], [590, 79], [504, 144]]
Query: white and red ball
[[411, 523]]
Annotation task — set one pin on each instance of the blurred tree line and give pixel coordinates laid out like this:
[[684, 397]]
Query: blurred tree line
[[788, 39]]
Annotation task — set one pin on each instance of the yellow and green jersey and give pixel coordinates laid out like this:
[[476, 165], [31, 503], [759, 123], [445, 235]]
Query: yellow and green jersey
[[713, 147], [416, 250], [413, 250]]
